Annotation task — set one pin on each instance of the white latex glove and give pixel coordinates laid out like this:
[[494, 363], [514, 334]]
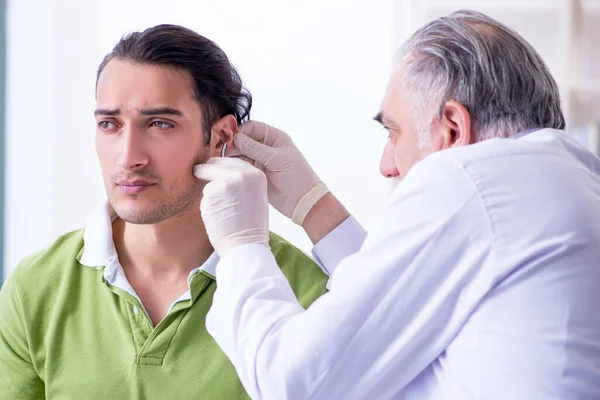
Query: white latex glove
[[235, 207], [293, 186]]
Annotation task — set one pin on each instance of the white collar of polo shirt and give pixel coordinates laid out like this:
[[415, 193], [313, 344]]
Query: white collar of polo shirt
[[99, 251]]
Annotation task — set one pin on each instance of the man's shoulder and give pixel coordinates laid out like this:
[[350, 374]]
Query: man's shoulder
[[290, 255], [305, 276], [44, 267]]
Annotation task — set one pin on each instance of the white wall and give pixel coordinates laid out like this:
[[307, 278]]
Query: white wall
[[316, 69], [51, 174]]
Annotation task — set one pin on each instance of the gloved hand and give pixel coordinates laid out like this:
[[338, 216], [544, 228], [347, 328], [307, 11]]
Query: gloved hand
[[293, 186], [235, 208]]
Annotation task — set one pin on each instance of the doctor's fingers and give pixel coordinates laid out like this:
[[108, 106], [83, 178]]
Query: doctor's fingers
[[230, 169], [257, 130], [253, 149]]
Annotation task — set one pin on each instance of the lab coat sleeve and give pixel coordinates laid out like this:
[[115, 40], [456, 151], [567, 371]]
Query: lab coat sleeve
[[340, 243], [393, 307]]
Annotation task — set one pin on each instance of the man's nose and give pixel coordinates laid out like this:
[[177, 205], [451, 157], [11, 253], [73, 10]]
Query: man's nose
[[387, 166], [133, 150]]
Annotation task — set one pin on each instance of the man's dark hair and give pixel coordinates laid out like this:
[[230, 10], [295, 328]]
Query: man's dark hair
[[216, 83]]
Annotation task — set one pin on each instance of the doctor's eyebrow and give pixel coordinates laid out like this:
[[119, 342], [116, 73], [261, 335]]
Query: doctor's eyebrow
[[384, 120]]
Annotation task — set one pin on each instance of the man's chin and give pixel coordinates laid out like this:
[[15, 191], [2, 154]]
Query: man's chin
[[146, 213], [138, 217], [138, 213]]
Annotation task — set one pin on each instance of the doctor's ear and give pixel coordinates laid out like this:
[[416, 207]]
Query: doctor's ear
[[455, 125], [222, 132]]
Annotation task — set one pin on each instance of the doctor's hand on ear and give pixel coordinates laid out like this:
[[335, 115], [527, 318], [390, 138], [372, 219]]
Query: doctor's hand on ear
[[293, 187], [235, 202], [234, 206]]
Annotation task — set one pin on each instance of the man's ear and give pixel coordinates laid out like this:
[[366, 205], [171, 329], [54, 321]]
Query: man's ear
[[222, 132], [455, 125]]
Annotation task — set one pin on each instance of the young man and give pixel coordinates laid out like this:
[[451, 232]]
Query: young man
[[117, 310]]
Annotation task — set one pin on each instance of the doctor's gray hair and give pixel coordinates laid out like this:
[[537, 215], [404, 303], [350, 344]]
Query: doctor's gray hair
[[491, 70]]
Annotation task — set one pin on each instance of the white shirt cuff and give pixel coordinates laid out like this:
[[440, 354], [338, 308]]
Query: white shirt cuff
[[340, 243]]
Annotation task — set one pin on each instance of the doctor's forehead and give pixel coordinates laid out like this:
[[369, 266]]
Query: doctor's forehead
[[395, 98], [395, 85]]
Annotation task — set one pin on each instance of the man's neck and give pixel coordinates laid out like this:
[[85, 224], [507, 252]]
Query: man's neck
[[172, 247]]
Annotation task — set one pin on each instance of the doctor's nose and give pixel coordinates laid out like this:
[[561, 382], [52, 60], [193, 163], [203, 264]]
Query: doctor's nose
[[387, 165]]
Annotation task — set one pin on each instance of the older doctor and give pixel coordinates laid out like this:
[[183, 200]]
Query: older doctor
[[482, 279]]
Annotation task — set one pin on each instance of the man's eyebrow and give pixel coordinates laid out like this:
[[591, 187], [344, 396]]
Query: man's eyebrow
[[107, 111], [160, 111]]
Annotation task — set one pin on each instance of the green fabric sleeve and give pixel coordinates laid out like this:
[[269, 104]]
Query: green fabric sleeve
[[18, 378]]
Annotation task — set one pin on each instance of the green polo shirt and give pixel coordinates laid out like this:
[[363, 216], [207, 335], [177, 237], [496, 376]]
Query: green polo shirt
[[67, 331]]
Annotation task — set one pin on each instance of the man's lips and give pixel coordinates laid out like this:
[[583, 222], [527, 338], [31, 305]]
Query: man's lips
[[134, 182], [134, 186]]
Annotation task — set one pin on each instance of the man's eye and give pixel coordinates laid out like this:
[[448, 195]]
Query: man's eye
[[161, 125], [107, 125]]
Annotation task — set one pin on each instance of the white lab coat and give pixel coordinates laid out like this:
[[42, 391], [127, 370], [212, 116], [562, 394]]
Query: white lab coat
[[480, 281]]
